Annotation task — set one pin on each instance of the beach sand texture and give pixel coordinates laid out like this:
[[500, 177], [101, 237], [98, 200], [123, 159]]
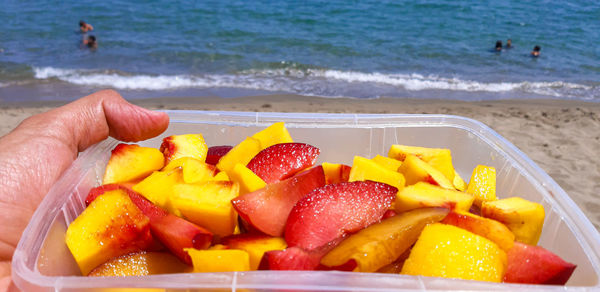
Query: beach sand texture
[[562, 137]]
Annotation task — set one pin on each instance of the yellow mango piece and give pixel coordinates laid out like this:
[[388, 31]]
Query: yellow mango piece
[[208, 204], [416, 170], [483, 184], [274, 134], [388, 163], [256, 246], [130, 162], [110, 226], [423, 194], [219, 260], [438, 158], [365, 169], [451, 252], [221, 176], [459, 183], [488, 228], [158, 188], [247, 180], [241, 153], [524, 218], [382, 243]]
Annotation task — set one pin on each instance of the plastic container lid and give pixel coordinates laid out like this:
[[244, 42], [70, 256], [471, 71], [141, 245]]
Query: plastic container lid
[[42, 261]]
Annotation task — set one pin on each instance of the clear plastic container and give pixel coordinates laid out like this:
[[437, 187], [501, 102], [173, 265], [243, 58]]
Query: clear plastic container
[[42, 261]]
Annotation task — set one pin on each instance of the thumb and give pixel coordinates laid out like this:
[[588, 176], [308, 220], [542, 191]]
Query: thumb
[[93, 118]]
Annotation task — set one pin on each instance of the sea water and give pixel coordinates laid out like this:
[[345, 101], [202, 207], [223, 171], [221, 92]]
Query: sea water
[[361, 49]]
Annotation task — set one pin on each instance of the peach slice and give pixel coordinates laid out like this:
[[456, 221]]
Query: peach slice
[[524, 218], [423, 194], [255, 245], [451, 252], [219, 260], [140, 264], [415, 170], [335, 172], [488, 228], [440, 159], [380, 244], [189, 145], [267, 209], [482, 184], [535, 265], [158, 188], [388, 163], [208, 204], [111, 226], [129, 162], [366, 169]]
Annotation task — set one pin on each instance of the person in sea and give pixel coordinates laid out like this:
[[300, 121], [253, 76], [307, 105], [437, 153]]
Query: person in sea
[[536, 51], [91, 42], [498, 46], [508, 44], [85, 27]]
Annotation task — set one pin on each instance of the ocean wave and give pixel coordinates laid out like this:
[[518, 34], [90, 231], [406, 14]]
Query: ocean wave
[[322, 82]]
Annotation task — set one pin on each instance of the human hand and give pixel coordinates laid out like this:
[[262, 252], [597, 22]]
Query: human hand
[[36, 153]]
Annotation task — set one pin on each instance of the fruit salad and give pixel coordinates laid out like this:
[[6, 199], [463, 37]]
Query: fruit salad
[[265, 204]]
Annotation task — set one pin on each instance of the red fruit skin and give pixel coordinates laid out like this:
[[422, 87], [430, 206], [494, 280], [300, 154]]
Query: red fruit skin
[[281, 161], [291, 258], [530, 264], [173, 232], [215, 153], [267, 209], [335, 210], [388, 214]]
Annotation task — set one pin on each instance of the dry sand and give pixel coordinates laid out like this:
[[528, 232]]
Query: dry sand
[[562, 137]]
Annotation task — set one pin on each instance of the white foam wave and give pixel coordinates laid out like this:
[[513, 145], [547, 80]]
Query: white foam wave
[[309, 81]]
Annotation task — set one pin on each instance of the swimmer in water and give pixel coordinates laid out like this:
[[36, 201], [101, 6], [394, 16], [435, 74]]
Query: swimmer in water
[[508, 44], [498, 46], [85, 27], [536, 51], [90, 42]]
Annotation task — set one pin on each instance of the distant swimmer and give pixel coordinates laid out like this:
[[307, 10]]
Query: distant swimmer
[[508, 44], [536, 51], [498, 46], [91, 42], [85, 27]]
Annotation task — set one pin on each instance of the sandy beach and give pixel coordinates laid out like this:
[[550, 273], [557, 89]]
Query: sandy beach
[[562, 137]]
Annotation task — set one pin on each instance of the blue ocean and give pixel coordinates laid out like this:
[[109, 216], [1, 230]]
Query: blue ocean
[[361, 49]]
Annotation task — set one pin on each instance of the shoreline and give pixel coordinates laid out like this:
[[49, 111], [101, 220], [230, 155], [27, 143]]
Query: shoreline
[[560, 136]]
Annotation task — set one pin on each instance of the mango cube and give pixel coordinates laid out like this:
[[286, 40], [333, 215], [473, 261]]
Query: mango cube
[[524, 218], [241, 153], [416, 170], [482, 184], [110, 226], [255, 245], [335, 172], [451, 252], [208, 204], [438, 158], [247, 180], [422, 195], [386, 162], [158, 188], [274, 134], [219, 260], [365, 169]]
